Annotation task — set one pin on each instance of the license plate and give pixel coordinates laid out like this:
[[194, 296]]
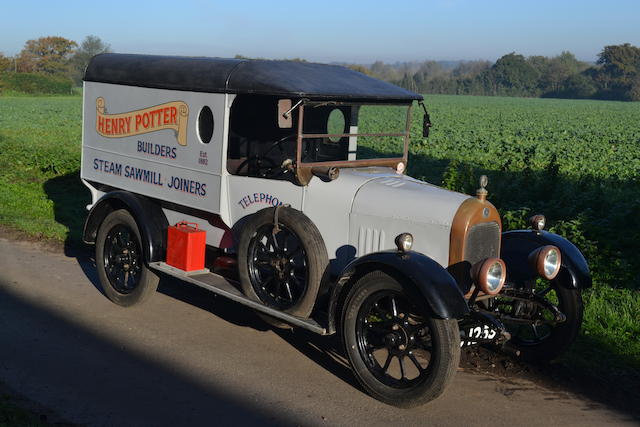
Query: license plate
[[474, 335]]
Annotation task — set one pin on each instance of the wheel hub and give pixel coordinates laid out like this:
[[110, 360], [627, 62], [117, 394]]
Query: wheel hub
[[281, 266], [526, 309], [397, 339], [391, 340]]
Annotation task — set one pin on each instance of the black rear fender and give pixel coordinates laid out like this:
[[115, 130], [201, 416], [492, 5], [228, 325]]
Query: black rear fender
[[148, 215]]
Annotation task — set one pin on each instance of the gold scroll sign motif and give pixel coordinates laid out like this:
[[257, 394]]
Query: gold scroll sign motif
[[171, 115]]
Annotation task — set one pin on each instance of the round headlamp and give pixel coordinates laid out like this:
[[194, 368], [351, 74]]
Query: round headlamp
[[538, 222], [404, 242], [546, 261], [489, 275]]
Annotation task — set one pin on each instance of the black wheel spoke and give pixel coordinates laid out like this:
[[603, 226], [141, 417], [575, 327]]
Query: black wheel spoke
[[262, 256], [534, 329], [300, 280], [120, 278], [120, 240], [403, 374], [387, 362], [266, 270], [382, 313], [425, 345], [270, 243], [394, 307], [263, 262], [262, 247], [374, 347], [269, 283], [276, 289], [288, 289], [277, 240], [413, 358]]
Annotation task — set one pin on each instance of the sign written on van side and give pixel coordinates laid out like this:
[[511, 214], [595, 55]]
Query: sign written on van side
[[171, 115]]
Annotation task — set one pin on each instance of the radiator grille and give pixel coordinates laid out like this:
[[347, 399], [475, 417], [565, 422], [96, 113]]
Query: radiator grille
[[483, 241]]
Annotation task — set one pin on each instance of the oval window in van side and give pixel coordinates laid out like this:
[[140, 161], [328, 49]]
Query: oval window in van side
[[205, 125]]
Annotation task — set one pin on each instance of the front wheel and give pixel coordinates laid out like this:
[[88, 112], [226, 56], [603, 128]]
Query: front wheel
[[398, 351], [535, 332]]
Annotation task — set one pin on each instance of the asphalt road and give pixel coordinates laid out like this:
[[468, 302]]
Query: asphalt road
[[188, 358]]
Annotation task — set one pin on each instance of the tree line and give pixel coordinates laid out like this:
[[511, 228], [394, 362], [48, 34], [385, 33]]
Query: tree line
[[615, 75], [48, 64], [55, 64]]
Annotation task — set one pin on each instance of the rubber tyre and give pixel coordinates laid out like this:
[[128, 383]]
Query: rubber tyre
[[562, 336], [314, 247], [147, 281], [445, 340]]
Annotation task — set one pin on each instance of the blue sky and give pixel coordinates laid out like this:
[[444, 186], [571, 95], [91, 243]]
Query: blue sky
[[328, 30]]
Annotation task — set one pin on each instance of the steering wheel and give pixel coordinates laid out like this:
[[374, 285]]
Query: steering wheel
[[262, 167], [265, 166], [278, 143]]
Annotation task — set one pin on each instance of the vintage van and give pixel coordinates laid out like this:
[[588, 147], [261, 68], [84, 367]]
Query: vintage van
[[295, 176]]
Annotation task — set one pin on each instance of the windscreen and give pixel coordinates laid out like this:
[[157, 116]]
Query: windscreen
[[340, 132]]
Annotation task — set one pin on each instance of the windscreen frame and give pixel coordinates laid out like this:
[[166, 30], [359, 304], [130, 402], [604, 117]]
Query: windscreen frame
[[391, 161]]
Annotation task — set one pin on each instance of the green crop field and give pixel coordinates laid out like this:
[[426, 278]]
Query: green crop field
[[578, 162]]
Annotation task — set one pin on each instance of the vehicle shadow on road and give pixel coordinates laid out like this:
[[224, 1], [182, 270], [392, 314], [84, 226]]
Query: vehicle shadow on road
[[92, 379], [325, 351], [203, 299]]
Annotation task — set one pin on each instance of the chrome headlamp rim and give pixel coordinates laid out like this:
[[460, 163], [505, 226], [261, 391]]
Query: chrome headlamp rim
[[489, 275], [546, 261]]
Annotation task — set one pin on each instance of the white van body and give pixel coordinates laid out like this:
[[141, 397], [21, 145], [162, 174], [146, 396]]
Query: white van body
[[123, 154]]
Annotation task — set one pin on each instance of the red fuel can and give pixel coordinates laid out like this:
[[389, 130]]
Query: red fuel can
[[185, 246]]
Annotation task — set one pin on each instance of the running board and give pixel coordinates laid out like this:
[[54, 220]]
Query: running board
[[223, 286]]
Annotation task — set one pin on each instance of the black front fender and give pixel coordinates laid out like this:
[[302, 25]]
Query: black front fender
[[518, 244], [148, 215], [439, 288]]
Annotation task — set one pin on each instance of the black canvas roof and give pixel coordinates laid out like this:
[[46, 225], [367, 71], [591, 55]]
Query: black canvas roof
[[218, 75]]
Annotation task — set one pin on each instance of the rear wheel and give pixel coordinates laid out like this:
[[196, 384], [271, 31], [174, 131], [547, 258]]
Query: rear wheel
[[123, 275], [399, 352], [282, 267]]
